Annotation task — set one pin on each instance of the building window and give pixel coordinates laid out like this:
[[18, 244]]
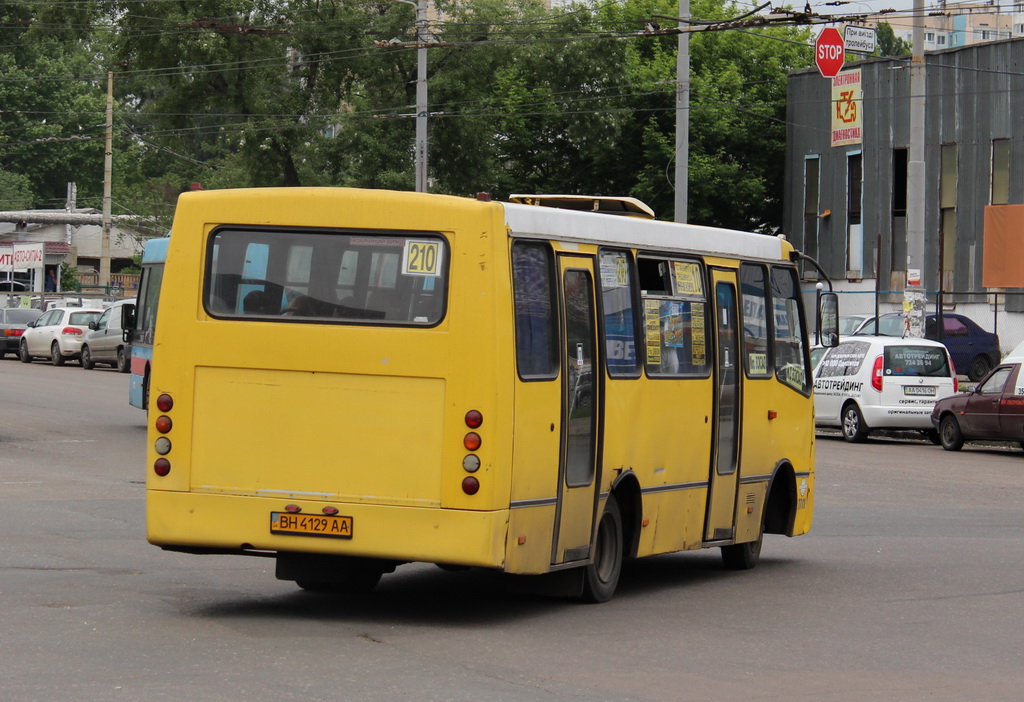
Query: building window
[[929, 36], [1000, 171], [947, 205], [941, 40], [899, 211], [812, 179], [854, 229]]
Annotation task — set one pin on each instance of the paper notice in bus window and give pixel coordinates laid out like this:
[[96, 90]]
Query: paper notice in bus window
[[652, 324], [614, 271], [697, 339], [758, 363], [688, 280], [422, 258], [672, 324]]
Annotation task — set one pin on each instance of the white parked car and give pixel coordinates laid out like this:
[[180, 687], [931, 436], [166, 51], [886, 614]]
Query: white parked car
[[104, 342], [56, 335], [877, 382]]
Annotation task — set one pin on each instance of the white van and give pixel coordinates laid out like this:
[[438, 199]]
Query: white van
[[878, 382], [104, 342]]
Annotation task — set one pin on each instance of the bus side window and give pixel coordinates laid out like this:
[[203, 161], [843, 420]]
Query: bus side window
[[790, 350], [536, 336], [619, 317]]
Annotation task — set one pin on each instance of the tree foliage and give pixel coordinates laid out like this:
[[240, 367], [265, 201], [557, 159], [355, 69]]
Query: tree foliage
[[889, 44], [322, 92]]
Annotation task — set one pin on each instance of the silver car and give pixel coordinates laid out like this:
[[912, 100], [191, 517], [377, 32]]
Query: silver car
[[104, 342]]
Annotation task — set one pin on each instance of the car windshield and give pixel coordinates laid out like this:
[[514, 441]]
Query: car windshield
[[848, 325], [83, 318], [908, 359], [20, 316]]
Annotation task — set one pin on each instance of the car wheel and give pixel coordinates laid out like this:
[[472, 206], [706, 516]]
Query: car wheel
[[87, 358], [933, 436], [56, 357], [123, 363], [601, 577], [23, 352], [979, 368], [855, 429], [950, 435]]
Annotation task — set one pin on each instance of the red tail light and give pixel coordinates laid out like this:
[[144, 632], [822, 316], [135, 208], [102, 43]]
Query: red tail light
[[72, 330], [956, 381], [876, 375], [13, 332]]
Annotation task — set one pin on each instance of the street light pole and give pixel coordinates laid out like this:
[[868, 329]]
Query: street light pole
[[421, 96]]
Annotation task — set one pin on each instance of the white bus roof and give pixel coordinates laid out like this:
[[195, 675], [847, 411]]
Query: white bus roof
[[592, 227]]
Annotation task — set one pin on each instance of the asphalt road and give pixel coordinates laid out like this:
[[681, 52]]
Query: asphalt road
[[909, 587]]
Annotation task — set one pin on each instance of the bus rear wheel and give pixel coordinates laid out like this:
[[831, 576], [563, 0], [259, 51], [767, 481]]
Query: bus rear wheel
[[601, 577]]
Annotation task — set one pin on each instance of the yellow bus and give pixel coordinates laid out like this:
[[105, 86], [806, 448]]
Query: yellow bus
[[348, 380]]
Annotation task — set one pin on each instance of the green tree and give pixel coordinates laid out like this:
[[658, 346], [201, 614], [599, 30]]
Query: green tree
[[889, 44], [51, 122]]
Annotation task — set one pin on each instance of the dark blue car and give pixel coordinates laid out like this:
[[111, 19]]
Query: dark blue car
[[974, 351]]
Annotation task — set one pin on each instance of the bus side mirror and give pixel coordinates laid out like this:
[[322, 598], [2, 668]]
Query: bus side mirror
[[828, 319], [128, 323]]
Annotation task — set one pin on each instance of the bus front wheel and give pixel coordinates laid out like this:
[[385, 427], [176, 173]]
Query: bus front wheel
[[743, 556], [601, 577]]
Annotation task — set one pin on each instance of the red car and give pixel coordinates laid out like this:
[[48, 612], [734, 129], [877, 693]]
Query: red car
[[992, 411], [13, 321]]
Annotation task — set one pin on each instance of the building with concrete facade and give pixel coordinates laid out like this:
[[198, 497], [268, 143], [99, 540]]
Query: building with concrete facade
[[846, 183]]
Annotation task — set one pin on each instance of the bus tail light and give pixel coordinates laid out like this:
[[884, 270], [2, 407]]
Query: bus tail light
[[470, 485], [876, 375], [164, 403], [161, 467], [472, 441], [163, 424], [474, 419]]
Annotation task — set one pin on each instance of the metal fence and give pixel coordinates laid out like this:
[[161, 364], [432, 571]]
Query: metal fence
[[998, 312]]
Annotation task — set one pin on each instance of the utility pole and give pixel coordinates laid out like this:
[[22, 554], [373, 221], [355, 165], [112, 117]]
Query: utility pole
[[683, 115], [421, 96], [107, 170], [914, 296]]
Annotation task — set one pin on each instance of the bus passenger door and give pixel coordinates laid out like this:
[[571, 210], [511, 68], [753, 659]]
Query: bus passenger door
[[725, 459], [577, 479]]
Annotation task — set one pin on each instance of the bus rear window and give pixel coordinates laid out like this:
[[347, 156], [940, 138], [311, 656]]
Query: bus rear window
[[316, 276], [916, 360]]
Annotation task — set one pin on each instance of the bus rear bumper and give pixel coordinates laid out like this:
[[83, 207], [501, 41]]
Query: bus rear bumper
[[209, 523]]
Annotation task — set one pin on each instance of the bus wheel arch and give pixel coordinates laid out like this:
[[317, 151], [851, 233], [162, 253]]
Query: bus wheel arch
[[780, 504], [626, 491]]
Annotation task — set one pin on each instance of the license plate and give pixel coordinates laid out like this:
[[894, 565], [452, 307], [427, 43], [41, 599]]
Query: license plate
[[311, 525], [919, 390]]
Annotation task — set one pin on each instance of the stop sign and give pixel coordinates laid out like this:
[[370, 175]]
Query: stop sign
[[829, 52]]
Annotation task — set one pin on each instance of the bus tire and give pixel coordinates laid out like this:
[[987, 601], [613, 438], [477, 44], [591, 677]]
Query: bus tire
[[855, 429], [743, 556], [601, 577], [950, 435]]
